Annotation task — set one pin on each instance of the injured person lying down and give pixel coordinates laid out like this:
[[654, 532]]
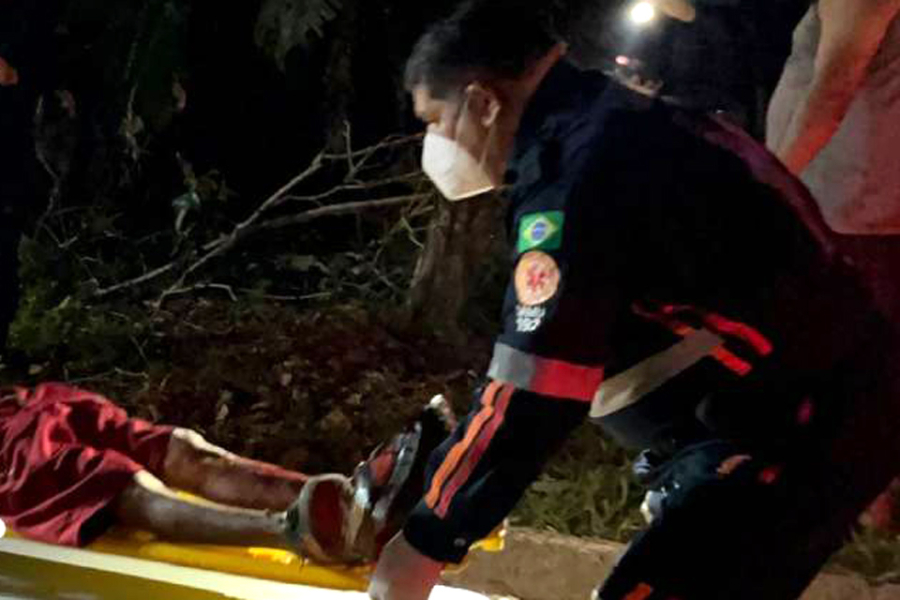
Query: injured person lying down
[[72, 464]]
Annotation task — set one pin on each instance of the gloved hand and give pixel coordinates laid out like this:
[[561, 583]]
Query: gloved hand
[[403, 573]]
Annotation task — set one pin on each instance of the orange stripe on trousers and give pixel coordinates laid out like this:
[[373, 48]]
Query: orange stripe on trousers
[[641, 592], [476, 452], [458, 451]]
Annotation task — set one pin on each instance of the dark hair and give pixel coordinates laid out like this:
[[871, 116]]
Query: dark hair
[[481, 39]]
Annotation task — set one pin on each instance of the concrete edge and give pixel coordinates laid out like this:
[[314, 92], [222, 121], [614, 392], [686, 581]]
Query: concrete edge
[[539, 565]]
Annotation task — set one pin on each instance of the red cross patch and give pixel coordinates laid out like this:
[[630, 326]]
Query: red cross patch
[[537, 278]]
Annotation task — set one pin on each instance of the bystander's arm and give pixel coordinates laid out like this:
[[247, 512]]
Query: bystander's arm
[[852, 32]]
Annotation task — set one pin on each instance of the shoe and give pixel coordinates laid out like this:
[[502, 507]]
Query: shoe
[[340, 520], [322, 524], [392, 481]]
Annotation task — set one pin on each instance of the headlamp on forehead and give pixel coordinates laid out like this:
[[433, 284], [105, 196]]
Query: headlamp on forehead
[[642, 13], [645, 12]]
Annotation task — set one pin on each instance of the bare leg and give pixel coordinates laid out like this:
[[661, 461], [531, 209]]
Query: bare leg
[[151, 506], [316, 532], [194, 465]]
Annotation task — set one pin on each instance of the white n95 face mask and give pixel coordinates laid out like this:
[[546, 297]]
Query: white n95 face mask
[[456, 173]]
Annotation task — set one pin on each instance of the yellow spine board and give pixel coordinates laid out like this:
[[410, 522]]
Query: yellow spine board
[[262, 563]]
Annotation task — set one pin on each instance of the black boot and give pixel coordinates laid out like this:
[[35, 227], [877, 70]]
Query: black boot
[[337, 520], [392, 481]]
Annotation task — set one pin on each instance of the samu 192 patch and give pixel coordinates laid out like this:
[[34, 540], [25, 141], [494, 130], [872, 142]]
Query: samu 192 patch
[[541, 231], [529, 318]]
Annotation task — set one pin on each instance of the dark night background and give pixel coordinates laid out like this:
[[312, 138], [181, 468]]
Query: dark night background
[[139, 258]]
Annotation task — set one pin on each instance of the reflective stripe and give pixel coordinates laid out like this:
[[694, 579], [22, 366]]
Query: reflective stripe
[[544, 376], [671, 316], [732, 361], [473, 457], [565, 380], [629, 386], [754, 338], [459, 450]]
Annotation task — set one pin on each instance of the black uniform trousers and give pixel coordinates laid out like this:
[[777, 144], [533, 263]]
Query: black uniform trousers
[[750, 522]]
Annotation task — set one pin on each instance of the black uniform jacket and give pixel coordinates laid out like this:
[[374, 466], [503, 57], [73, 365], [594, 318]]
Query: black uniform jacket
[[671, 280]]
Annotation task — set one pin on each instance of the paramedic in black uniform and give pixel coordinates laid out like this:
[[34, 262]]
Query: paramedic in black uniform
[[672, 282]]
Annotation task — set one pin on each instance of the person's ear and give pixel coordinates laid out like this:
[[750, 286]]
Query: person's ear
[[485, 104]]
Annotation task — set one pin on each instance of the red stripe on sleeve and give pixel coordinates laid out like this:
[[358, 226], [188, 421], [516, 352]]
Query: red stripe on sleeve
[[565, 380]]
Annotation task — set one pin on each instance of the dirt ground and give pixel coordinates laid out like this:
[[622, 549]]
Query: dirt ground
[[311, 390]]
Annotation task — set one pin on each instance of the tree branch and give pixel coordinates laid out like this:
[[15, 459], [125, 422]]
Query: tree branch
[[145, 278], [251, 224], [336, 210], [274, 200], [354, 187], [226, 244], [195, 288], [390, 142]]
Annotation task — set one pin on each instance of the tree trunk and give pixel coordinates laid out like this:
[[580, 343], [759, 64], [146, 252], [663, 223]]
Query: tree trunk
[[463, 238], [340, 87]]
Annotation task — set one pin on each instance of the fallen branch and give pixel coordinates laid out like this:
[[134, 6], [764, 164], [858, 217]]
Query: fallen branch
[[252, 225], [335, 210], [283, 298], [350, 187], [390, 142], [245, 230], [197, 288], [145, 278]]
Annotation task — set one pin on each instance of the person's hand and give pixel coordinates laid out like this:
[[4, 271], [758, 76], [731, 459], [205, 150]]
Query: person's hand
[[403, 573], [8, 74], [682, 10]]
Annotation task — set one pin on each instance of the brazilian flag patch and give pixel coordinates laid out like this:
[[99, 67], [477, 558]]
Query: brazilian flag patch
[[541, 231]]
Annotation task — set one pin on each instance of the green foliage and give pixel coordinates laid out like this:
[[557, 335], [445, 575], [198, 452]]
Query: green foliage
[[587, 490], [76, 340], [55, 327], [158, 61], [284, 24]]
